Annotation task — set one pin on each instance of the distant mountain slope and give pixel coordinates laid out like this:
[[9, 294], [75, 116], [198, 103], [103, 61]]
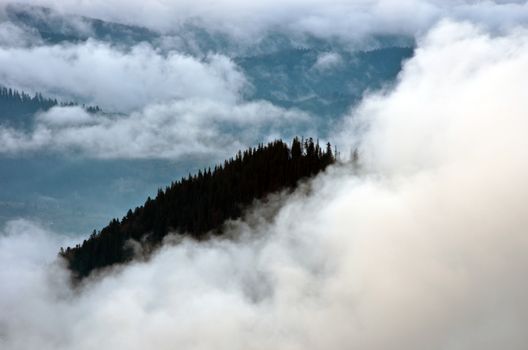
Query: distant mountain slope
[[201, 203], [54, 28], [319, 76], [110, 187], [323, 82]]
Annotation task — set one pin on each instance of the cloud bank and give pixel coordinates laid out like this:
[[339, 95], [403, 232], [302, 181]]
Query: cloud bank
[[421, 245], [142, 80], [345, 19], [191, 127], [118, 80], [174, 105], [12, 35]]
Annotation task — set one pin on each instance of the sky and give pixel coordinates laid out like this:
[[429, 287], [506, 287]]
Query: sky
[[420, 245]]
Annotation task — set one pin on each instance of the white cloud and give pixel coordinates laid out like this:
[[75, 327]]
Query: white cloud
[[328, 60], [13, 35], [349, 20], [65, 116], [173, 131], [176, 105], [97, 73], [130, 80], [424, 247], [459, 89]]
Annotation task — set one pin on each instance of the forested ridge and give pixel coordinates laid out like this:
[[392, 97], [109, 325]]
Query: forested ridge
[[18, 107], [199, 204], [21, 103]]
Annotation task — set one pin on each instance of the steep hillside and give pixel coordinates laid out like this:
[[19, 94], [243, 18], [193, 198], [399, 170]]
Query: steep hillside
[[199, 204]]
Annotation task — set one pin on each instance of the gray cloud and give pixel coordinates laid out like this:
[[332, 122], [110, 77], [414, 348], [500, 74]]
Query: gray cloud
[[12, 35], [423, 245], [175, 130], [97, 73], [176, 105], [140, 80], [349, 20], [328, 60]]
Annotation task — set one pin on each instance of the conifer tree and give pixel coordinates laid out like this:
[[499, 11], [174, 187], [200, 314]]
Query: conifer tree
[[198, 205]]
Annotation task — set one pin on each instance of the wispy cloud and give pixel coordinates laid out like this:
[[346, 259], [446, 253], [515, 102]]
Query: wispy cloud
[[174, 130], [349, 20], [328, 60]]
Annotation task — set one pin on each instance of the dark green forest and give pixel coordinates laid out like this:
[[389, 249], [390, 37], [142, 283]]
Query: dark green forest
[[17, 107], [198, 205]]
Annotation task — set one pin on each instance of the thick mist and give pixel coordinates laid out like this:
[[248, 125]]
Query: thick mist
[[421, 244]]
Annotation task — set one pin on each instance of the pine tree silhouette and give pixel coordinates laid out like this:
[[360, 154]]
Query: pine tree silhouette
[[17, 107], [199, 204]]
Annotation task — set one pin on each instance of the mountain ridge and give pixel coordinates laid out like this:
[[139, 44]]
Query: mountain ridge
[[199, 205]]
